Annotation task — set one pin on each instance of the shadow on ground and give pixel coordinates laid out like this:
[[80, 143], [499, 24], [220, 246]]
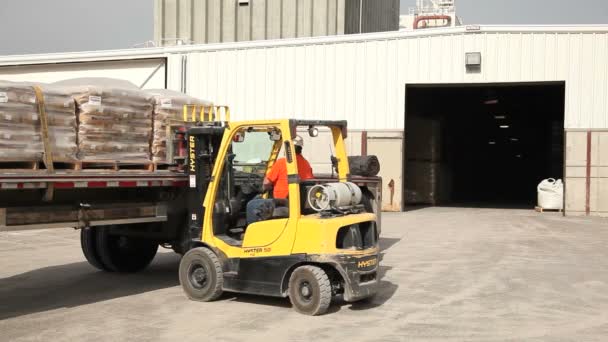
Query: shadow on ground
[[79, 283]]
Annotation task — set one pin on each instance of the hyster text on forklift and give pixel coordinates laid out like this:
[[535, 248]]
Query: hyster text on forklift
[[211, 207]]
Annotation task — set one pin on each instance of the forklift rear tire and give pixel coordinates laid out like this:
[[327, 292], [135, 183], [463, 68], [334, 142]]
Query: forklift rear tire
[[124, 254], [310, 290], [201, 275], [89, 248]]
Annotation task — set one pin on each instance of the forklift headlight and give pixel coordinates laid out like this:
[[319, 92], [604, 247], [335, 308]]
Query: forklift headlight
[[313, 131]]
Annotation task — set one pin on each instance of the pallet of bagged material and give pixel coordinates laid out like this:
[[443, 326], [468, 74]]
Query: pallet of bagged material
[[115, 120], [168, 107], [21, 129]]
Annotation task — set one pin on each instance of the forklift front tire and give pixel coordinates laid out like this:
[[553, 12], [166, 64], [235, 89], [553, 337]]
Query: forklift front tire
[[310, 290], [201, 275]]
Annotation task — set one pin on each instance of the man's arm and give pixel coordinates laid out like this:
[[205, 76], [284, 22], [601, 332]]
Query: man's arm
[[272, 176], [267, 184]]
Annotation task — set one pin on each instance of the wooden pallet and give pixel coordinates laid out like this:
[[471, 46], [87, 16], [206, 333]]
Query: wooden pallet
[[542, 210], [20, 165]]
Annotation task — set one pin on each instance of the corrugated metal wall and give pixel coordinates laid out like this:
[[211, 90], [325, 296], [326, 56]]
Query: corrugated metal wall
[[363, 79], [377, 16], [211, 21]]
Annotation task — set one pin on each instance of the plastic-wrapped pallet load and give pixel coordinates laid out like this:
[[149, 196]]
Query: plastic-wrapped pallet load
[[20, 124], [115, 119], [168, 106]]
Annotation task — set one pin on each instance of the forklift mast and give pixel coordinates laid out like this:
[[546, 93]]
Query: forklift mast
[[203, 143]]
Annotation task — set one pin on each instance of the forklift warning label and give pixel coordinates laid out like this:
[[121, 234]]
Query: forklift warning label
[[3, 97], [193, 181]]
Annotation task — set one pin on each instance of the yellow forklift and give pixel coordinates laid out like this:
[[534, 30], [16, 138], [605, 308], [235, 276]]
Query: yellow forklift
[[322, 241]]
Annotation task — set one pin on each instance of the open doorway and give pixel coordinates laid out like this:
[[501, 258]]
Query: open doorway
[[482, 145]]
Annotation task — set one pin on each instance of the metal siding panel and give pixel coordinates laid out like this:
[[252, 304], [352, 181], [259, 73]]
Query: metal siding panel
[[199, 21], [184, 26], [273, 19], [214, 21], [288, 26], [309, 82], [526, 56], [332, 8], [319, 17], [159, 20], [319, 99], [434, 58], [174, 66], [391, 85], [299, 80], [514, 59], [539, 57], [550, 57], [170, 18], [458, 70], [240, 95], [599, 82], [575, 78], [588, 70], [341, 72], [340, 16], [490, 57], [304, 18], [229, 21], [258, 19], [243, 30], [258, 83], [350, 83], [371, 82]]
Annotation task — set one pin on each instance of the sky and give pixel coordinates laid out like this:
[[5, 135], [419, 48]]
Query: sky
[[42, 26]]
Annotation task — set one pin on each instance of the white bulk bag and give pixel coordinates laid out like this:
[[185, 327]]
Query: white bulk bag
[[551, 194]]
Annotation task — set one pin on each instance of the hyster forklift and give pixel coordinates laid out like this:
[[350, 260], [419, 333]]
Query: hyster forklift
[[320, 242]]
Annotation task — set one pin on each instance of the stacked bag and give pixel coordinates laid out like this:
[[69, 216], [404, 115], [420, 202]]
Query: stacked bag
[[20, 124], [89, 119], [114, 119], [168, 107]]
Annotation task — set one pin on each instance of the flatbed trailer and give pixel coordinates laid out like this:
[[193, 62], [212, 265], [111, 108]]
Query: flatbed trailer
[[107, 206], [40, 200]]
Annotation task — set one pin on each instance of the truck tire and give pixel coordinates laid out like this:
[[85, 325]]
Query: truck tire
[[123, 253], [310, 290], [201, 275], [89, 248]]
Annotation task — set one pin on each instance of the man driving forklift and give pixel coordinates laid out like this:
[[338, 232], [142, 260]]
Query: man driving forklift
[[276, 179]]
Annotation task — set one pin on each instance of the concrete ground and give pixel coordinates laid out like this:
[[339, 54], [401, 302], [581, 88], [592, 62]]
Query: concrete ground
[[448, 274]]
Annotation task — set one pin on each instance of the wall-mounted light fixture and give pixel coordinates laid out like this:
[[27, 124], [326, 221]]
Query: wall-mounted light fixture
[[472, 61]]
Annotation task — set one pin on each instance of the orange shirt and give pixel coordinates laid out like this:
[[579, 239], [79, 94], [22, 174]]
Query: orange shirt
[[278, 175]]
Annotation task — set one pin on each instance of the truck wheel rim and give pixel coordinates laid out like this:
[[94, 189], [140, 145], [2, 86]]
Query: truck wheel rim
[[198, 276], [305, 291]]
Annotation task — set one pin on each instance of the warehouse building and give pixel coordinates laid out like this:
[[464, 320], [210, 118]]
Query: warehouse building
[[473, 115]]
